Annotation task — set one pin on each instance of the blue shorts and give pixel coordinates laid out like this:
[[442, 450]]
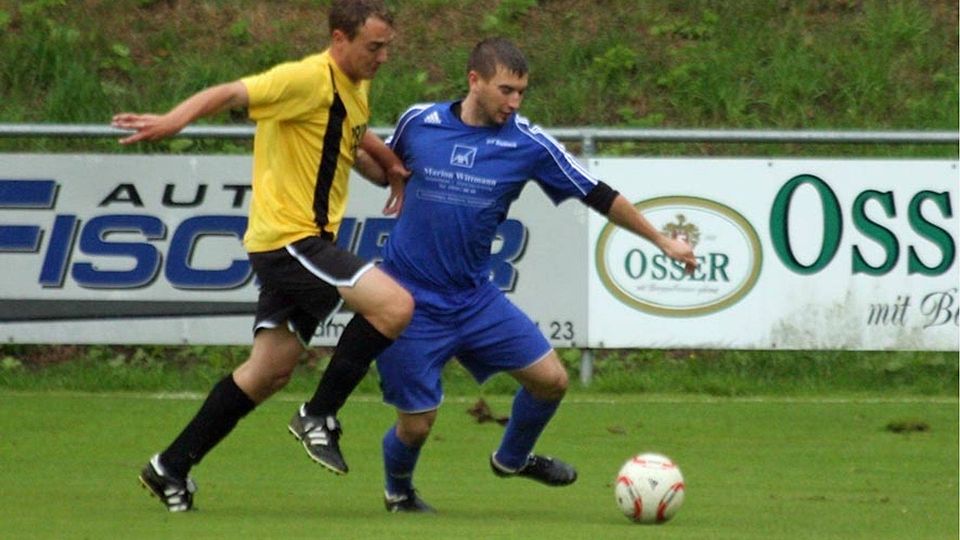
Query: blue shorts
[[481, 328]]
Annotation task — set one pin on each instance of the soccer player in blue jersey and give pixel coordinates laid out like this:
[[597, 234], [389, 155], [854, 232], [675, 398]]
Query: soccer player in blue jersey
[[469, 160]]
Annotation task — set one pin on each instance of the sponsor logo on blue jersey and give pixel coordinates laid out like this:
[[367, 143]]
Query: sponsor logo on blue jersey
[[502, 143], [463, 156]]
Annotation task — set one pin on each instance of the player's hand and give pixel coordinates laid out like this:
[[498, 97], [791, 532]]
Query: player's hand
[[397, 179], [148, 127], [681, 251]]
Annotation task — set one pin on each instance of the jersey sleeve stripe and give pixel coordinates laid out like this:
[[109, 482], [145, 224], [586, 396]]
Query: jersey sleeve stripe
[[411, 113], [561, 157]]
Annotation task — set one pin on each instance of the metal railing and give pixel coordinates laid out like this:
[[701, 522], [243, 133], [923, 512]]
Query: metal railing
[[588, 137]]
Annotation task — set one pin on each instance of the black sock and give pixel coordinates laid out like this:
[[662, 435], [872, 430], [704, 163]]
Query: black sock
[[224, 407], [358, 346]]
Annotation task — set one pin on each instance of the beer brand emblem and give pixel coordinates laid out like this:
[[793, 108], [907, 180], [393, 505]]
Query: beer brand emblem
[[681, 230]]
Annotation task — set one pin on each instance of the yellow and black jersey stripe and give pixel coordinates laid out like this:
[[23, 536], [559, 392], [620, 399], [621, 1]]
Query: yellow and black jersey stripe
[[310, 119]]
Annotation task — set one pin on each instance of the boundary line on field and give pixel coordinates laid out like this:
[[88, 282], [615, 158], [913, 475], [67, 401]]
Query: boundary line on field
[[578, 400]]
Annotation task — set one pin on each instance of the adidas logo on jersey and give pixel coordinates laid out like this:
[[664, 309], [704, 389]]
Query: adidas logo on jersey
[[432, 118]]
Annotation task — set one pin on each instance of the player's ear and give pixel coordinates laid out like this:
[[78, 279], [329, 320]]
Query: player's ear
[[473, 78]]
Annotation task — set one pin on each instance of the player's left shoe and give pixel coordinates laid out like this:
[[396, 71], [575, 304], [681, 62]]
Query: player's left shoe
[[407, 502], [320, 436], [175, 493], [544, 469]]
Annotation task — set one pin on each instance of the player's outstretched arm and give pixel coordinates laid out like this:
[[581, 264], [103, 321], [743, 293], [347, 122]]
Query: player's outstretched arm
[[152, 127], [627, 216]]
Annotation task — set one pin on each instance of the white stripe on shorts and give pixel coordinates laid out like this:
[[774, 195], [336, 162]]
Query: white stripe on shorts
[[324, 276]]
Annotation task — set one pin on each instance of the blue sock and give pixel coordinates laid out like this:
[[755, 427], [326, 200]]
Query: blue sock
[[527, 419], [399, 460]]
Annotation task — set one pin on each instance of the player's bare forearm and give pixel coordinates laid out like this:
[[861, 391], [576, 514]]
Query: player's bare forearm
[[384, 156], [369, 168], [627, 216], [151, 127], [378, 150], [395, 172]]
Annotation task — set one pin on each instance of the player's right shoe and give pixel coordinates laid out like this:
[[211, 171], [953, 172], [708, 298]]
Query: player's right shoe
[[544, 469], [320, 436], [407, 502], [174, 493]]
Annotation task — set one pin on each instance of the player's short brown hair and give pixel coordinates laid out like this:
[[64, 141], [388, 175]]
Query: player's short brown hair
[[349, 15], [493, 52]]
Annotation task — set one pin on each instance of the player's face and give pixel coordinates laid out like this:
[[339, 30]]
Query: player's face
[[367, 51], [500, 96]]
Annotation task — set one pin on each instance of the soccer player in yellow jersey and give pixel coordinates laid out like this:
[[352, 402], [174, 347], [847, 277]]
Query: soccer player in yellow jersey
[[311, 120]]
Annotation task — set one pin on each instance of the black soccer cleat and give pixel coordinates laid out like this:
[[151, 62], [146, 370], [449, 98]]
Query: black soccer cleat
[[320, 436], [407, 502], [174, 493], [544, 469]]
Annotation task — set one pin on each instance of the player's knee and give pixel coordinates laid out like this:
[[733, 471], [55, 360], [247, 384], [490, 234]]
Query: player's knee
[[416, 437], [552, 388], [558, 388], [278, 374], [563, 381], [414, 431], [261, 377], [271, 363]]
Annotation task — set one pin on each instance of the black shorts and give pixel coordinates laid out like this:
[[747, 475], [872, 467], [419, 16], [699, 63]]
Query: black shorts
[[298, 284]]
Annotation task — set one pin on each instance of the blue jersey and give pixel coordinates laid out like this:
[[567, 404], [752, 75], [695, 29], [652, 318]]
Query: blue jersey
[[464, 179]]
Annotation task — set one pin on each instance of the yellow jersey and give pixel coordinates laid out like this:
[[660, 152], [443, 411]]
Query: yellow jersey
[[310, 119]]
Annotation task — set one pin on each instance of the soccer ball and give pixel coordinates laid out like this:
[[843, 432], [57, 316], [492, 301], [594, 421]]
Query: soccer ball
[[649, 488]]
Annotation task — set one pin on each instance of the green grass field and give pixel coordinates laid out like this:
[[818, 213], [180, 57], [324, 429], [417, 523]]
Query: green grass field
[[755, 468]]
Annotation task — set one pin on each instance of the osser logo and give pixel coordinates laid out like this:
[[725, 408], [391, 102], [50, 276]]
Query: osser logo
[[728, 252]]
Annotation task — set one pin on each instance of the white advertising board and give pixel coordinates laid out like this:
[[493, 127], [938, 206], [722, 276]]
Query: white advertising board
[[146, 249], [794, 254]]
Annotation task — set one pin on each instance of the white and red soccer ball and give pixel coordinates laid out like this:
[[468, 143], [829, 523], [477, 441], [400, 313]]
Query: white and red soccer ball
[[649, 488]]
